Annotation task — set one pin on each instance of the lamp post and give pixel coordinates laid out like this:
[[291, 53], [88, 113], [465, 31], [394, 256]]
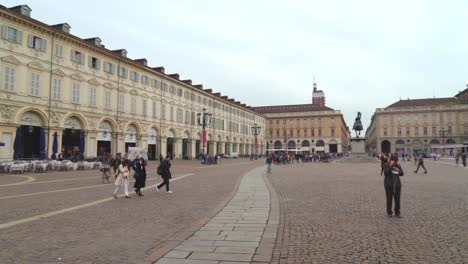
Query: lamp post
[[286, 138], [256, 132], [203, 119], [442, 133]]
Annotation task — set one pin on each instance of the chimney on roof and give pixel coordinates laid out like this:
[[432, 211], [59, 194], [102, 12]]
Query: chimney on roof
[[209, 90], [174, 75], [198, 86], [22, 9], [95, 41], [64, 27], [189, 82], [142, 61], [159, 69], [121, 52]]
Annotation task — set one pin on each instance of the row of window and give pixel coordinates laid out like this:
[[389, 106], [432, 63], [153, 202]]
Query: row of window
[[415, 117], [298, 133], [57, 83], [416, 130], [298, 121], [36, 42], [57, 94]]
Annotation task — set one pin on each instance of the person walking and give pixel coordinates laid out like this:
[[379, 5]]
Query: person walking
[[269, 160], [463, 158], [165, 173], [140, 176], [122, 179], [457, 159], [392, 184], [420, 163], [115, 165]]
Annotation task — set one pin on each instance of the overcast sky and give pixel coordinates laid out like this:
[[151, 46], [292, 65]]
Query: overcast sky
[[364, 54]]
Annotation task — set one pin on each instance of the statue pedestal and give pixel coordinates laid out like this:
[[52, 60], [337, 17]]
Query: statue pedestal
[[358, 151], [358, 146]]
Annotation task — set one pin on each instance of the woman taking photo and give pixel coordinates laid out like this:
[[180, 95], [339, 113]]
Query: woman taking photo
[[122, 179], [392, 184]]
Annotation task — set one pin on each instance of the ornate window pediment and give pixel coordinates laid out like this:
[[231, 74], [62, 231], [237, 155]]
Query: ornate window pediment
[[94, 82], [134, 92], [11, 60], [58, 72], [108, 85], [77, 77], [144, 95], [36, 66]]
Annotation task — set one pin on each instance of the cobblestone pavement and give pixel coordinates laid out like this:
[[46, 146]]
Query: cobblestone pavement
[[335, 213], [243, 232], [127, 231]]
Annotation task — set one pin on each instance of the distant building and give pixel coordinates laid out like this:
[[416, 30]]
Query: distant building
[[304, 128], [318, 96], [431, 125]]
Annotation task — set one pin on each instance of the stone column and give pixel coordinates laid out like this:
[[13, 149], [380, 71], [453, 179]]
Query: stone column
[[91, 144], [193, 151], [223, 147], [178, 148], [164, 147]]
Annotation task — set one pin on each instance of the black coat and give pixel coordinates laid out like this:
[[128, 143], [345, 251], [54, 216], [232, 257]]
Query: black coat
[[165, 167], [140, 176], [392, 181]]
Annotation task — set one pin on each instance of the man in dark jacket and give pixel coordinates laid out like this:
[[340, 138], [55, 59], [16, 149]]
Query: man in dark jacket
[[420, 163], [392, 184], [164, 168]]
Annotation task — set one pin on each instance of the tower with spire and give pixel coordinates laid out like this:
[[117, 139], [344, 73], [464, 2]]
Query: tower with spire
[[318, 96]]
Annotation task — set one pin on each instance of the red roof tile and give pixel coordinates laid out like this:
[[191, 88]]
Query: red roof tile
[[423, 102], [290, 108]]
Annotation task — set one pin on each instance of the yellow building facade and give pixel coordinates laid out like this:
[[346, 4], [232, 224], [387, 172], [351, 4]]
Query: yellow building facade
[[305, 128], [93, 101], [433, 125]]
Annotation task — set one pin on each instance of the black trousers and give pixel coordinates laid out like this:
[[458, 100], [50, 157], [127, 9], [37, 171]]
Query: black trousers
[[421, 165], [165, 182], [393, 193]]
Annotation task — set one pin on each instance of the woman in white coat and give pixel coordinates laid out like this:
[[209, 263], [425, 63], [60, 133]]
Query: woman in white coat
[[122, 179]]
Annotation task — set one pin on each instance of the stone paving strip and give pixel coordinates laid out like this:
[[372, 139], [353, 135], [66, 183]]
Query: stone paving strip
[[244, 231]]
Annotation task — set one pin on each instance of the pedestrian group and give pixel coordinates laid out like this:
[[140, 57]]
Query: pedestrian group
[[121, 170]]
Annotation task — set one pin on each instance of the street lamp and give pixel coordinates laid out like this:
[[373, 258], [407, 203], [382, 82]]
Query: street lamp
[[203, 119], [286, 137], [442, 133], [256, 131]]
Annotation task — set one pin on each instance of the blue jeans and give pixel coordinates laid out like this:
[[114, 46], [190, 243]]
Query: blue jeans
[[269, 167]]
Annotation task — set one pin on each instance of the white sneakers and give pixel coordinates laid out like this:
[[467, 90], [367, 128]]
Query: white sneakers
[[157, 190]]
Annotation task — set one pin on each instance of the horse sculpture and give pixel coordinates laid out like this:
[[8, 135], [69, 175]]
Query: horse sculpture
[[358, 125]]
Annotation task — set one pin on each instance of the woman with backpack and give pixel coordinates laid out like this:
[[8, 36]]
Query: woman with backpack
[[165, 173]]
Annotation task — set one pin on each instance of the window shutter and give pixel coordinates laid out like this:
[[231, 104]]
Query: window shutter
[[90, 61], [82, 58], [30, 41], [98, 64], [4, 31], [112, 68], [44, 45], [19, 37], [72, 58]]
